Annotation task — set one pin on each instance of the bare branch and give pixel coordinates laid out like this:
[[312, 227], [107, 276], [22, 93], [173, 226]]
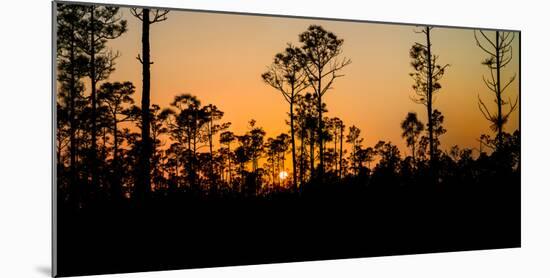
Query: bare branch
[[488, 40], [159, 15], [491, 86], [138, 13], [440, 69], [512, 107], [484, 110], [482, 47], [508, 84], [141, 61]]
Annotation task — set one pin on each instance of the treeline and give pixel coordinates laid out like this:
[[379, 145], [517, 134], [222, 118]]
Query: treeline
[[100, 156]]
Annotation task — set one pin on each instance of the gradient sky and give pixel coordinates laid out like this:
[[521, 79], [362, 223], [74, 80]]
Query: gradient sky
[[220, 57]]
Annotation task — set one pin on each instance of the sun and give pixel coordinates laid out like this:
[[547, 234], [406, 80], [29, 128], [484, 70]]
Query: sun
[[283, 175]]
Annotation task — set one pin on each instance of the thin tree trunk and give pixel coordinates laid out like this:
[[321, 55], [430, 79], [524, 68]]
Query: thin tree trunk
[[354, 155], [278, 168], [229, 153], [214, 185], [294, 172], [189, 163], [302, 154], [429, 100], [93, 97], [312, 154], [176, 171], [414, 153], [499, 97], [194, 181], [320, 130], [335, 149], [75, 188], [242, 178], [116, 190], [341, 145]]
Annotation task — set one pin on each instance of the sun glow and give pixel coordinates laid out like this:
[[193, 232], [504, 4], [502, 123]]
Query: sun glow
[[283, 175]]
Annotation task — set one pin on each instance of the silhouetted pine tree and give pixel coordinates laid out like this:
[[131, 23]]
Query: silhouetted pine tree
[[71, 66], [147, 18], [412, 128], [321, 51], [99, 25], [500, 55], [287, 76], [116, 98], [426, 80]]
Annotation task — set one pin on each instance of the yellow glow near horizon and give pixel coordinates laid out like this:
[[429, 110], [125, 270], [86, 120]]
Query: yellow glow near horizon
[[283, 175]]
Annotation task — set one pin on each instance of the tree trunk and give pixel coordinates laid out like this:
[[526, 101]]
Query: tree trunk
[[214, 185], [335, 149], [116, 190], [414, 153], [341, 145], [294, 172], [229, 159], [320, 133], [74, 186], [188, 164], [193, 173], [145, 164], [429, 100], [93, 97], [302, 153], [242, 178], [354, 157], [498, 93], [312, 153]]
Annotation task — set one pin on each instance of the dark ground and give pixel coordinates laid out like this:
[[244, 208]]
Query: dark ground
[[345, 222]]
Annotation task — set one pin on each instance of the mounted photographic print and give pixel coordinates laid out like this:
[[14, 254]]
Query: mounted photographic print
[[190, 139]]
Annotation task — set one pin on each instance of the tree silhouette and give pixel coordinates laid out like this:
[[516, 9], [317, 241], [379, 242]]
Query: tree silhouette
[[71, 65], [283, 142], [272, 158], [62, 140], [341, 127], [500, 55], [354, 138], [186, 126], [226, 138], [147, 17], [321, 50], [327, 137], [412, 128], [389, 158], [308, 118], [158, 122], [366, 155], [99, 25], [303, 112], [242, 156], [251, 149], [256, 143], [287, 76], [213, 114], [485, 140], [438, 129], [336, 126], [114, 96], [426, 79], [275, 149]]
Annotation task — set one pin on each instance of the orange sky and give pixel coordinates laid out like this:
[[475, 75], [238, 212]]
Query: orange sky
[[220, 57]]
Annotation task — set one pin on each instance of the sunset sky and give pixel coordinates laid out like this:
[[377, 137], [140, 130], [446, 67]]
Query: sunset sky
[[220, 58]]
